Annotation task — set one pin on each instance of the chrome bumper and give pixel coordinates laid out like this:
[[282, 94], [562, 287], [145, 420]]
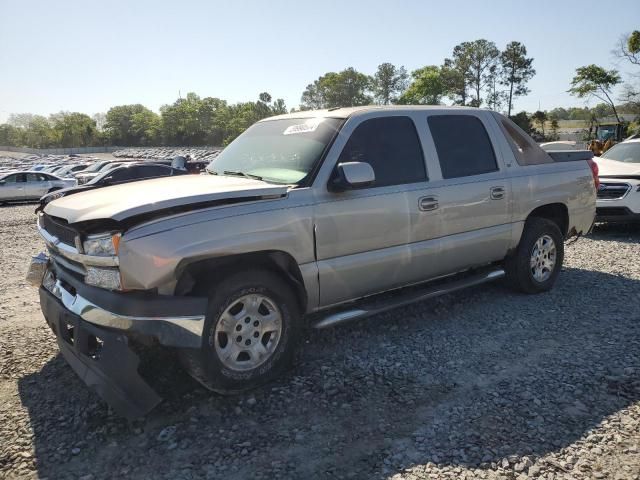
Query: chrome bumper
[[175, 330]]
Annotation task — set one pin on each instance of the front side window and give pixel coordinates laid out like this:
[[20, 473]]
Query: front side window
[[12, 178], [279, 151], [463, 145], [391, 146]]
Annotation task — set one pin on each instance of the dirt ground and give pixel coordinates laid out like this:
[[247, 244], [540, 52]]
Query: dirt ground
[[484, 383]]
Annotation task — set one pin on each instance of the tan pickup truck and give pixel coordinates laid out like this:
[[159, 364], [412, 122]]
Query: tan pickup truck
[[314, 217]]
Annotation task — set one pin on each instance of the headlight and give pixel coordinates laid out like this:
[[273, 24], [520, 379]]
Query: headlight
[[103, 277], [102, 245]]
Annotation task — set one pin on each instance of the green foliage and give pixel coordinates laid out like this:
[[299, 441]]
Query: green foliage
[[129, 125], [427, 88], [73, 129], [187, 121], [347, 88], [595, 81], [539, 118], [9, 135], [633, 43], [388, 83], [516, 70], [456, 71], [482, 56], [554, 130], [523, 121]]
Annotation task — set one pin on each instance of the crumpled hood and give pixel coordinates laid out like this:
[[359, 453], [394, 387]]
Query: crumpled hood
[[119, 202], [611, 168]]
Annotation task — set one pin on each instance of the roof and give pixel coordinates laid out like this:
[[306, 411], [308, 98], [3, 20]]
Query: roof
[[346, 112]]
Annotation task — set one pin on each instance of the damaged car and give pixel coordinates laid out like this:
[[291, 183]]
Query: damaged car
[[307, 219]]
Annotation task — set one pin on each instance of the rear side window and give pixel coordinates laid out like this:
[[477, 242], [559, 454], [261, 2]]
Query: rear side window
[[122, 175], [392, 148], [463, 145], [525, 149]]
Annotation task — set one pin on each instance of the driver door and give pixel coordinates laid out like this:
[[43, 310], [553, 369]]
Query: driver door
[[12, 187], [363, 236], [36, 186]]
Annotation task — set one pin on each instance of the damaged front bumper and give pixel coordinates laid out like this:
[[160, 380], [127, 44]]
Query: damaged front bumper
[[94, 328]]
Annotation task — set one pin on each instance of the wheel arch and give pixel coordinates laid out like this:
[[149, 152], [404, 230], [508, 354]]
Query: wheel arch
[[558, 213], [196, 276]]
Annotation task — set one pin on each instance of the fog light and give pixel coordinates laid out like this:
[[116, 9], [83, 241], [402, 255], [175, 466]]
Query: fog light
[[103, 277]]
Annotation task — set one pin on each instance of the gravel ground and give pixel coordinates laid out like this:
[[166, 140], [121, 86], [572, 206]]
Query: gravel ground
[[484, 383]]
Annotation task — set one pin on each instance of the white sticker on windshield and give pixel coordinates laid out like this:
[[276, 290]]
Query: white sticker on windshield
[[309, 126]]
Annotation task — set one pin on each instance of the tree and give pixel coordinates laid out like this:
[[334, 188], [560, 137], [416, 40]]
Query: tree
[[495, 98], [455, 71], [38, 133], [482, 55], [540, 118], [427, 88], [100, 119], [523, 121], [516, 71], [344, 89], [73, 129], [554, 129], [9, 135], [129, 125], [388, 83], [629, 47], [595, 81]]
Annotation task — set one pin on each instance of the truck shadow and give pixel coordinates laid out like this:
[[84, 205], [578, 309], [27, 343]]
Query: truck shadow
[[466, 380]]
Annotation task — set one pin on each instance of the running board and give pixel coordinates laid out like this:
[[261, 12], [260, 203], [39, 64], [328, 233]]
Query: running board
[[377, 304]]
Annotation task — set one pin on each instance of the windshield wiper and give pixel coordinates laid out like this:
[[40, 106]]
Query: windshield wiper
[[238, 173]]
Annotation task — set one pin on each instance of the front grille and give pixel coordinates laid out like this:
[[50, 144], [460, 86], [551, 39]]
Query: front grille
[[612, 190], [612, 211], [59, 228]]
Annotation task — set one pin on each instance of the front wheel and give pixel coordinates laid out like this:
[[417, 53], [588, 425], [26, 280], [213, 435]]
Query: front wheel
[[251, 333], [536, 263]]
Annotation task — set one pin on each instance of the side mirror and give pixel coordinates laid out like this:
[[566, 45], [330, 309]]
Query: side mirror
[[352, 175]]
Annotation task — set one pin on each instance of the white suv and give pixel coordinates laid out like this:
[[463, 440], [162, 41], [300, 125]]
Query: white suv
[[619, 191]]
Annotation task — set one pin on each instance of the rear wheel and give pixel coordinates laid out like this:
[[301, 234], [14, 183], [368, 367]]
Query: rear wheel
[[536, 263], [251, 333]]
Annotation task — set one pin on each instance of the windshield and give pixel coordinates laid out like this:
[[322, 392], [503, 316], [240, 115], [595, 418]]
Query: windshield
[[99, 177], [624, 152], [95, 167], [65, 170], [277, 151]]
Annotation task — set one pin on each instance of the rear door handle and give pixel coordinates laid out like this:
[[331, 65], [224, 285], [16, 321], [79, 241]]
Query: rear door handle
[[497, 193], [427, 204]]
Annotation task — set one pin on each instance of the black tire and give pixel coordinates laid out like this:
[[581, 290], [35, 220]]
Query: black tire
[[517, 266], [205, 365]]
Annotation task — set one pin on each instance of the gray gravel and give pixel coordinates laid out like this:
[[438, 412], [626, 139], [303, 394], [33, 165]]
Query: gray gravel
[[484, 383]]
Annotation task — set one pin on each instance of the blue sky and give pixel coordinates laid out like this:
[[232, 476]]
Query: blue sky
[[89, 55]]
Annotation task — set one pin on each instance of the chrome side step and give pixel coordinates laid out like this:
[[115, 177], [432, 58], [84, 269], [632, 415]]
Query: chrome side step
[[383, 302]]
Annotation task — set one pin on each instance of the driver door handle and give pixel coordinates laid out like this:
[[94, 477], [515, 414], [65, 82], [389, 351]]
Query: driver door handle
[[427, 204], [497, 193]]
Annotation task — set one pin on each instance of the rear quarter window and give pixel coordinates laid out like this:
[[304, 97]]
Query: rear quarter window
[[524, 148]]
